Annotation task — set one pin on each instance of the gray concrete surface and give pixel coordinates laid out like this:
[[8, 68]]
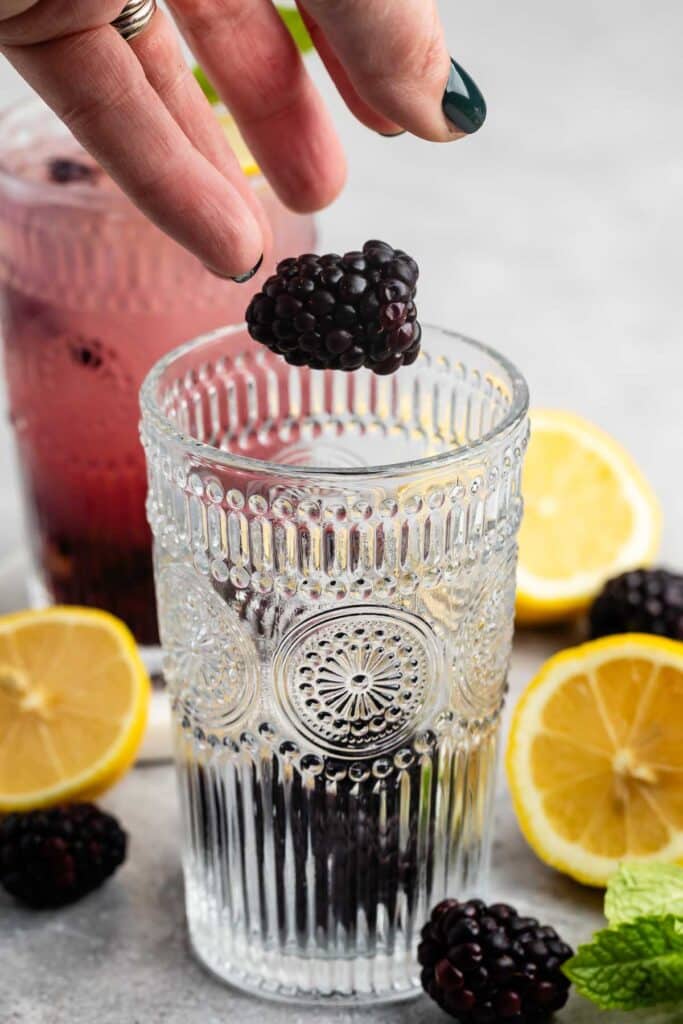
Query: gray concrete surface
[[556, 236]]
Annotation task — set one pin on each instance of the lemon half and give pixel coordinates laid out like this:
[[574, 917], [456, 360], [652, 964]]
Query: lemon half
[[74, 696], [589, 514], [595, 756]]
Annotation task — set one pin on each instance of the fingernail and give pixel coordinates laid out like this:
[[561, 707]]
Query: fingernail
[[241, 278], [392, 135], [463, 103]]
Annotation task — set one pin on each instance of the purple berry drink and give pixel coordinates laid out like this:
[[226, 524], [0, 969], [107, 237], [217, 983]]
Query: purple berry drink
[[91, 295]]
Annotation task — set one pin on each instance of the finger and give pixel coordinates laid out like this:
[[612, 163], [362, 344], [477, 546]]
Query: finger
[[10, 8], [111, 108], [252, 61], [396, 57], [337, 72], [159, 53], [36, 21]]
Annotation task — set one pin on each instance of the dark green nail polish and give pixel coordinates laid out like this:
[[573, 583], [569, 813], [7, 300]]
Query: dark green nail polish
[[392, 135], [243, 278], [463, 103]]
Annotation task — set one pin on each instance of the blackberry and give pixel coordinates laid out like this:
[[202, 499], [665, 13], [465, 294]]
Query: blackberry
[[642, 601], [341, 312], [52, 857], [86, 352], [64, 171], [483, 964]]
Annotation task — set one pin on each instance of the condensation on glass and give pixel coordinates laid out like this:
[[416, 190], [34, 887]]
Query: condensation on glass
[[335, 563]]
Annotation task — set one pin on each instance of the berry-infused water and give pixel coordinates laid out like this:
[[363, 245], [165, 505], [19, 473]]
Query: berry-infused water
[[91, 295], [335, 565]]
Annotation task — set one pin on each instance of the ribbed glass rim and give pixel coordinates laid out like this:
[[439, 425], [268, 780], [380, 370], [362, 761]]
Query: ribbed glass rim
[[13, 118], [152, 413]]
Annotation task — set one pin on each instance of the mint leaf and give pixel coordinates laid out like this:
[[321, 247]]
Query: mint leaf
[[637, 963], [298, 31], [639, 889]]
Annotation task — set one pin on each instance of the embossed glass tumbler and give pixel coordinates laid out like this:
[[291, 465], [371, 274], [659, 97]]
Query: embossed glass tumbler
[[335, 564]]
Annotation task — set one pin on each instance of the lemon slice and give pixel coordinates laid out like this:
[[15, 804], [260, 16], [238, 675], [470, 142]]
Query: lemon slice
[[238, 145], [589, 514], [595, 756], [73, 705]]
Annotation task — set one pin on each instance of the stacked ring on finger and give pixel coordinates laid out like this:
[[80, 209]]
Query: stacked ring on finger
[[134, 18]]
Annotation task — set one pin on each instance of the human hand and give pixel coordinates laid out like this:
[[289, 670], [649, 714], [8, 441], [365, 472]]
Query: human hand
[[137, 108]]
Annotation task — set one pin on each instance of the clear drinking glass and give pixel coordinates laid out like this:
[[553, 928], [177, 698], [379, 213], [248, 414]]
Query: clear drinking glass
[[335, 570], [91, 295]]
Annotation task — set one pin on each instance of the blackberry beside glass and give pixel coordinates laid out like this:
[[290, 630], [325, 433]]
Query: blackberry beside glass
[[640, 601], [483, 964], [52, 857], [341, 312]]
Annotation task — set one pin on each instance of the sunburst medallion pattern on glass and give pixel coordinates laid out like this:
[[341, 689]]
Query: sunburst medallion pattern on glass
[[356, 680]]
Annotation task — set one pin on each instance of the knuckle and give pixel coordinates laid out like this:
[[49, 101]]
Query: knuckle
[[163, 62], [86, 110], [175, 82]]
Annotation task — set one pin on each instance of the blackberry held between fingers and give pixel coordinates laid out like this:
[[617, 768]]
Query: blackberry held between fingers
[[52, 857], [483, 964], [341, 312], [641, 601]]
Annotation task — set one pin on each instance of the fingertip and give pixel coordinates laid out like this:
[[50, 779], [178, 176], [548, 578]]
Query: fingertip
[[237, 278], [315, 193], [227, 235], [314, 171]]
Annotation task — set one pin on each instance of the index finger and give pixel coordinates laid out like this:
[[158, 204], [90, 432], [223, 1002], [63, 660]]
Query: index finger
[[111, 108]]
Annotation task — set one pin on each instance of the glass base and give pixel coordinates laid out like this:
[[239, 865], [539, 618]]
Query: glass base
[[293, 979], [312, 885]]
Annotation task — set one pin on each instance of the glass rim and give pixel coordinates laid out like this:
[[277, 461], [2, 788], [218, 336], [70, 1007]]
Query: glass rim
[[79, 193], [152, 413]]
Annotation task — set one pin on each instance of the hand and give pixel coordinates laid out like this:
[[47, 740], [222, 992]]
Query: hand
[[137, 108]]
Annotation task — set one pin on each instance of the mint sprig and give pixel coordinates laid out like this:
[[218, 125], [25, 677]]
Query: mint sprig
[[298, 32], [636, 963], [638, 960]]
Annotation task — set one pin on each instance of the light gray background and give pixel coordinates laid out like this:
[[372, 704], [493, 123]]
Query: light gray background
[[554, 235]]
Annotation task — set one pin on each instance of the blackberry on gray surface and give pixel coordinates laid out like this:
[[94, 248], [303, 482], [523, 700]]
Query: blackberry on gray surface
[[483, 964], [641, 601], [341, 312], [52, 857]]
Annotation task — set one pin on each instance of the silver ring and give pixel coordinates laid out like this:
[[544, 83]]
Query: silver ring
[[134, 18]]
